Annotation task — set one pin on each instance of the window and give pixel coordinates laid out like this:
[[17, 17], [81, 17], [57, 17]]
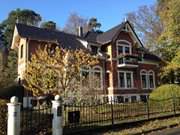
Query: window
[[121, 80], [21, 51], [120, 99], [129, 79], [151, 80], [125, 79], [91, 77], [126, 99], [144, 80], [120, 49], [123, 47], [133, 99], [143, 98], [147, 79], [97, 77], [85, 77], [127, 50]]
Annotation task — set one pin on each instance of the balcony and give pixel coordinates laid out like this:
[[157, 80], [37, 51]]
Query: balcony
[[129, 61]]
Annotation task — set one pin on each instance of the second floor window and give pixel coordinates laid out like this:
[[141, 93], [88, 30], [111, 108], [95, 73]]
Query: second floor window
[[123, 47]]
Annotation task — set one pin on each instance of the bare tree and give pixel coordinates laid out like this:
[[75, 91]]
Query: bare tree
[[73, 22], [147, 22]]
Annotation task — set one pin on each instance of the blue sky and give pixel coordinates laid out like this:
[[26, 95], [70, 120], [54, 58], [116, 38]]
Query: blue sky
[[108, 12]]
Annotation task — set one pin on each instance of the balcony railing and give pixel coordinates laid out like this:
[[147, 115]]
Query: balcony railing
[[128, 61]]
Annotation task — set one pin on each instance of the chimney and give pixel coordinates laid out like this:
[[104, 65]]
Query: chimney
[[80, 31]]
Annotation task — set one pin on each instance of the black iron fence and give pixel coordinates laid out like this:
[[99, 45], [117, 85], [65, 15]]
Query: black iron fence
[[3, 119], [36, 120], [83, 117]]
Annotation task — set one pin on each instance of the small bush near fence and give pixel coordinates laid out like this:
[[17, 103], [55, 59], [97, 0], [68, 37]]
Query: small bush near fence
[[3, 117]]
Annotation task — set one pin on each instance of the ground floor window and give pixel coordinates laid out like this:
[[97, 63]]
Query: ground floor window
[[92, 78], [126, 99], [143, 98], [125, 79], [133, 99], [147, 79], [120, 99]]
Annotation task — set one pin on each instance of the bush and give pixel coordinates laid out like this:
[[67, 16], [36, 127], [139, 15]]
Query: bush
[[3, 117], [165, 91]]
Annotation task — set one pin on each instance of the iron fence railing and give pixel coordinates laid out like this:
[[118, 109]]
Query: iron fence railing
[[36, 120], [83, 117]]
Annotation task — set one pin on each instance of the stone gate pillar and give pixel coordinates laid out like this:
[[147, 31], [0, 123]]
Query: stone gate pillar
[[13, 126], [57, 127]]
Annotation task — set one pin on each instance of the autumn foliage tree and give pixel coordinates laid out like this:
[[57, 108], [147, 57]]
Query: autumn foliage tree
[[56, 71], [169, 12]]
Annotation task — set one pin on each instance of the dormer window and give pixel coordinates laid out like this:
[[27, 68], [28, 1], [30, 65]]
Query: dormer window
[[94, 49]]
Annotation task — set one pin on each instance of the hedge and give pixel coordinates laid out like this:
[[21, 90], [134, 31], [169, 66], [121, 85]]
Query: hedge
[[165, 91]]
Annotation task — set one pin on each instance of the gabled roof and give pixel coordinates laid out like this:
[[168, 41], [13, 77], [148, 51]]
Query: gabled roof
[[91, 36], [63, 39], [109, 35]]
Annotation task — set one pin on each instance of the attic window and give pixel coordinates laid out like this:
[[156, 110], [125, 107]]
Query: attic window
[[123, 47]]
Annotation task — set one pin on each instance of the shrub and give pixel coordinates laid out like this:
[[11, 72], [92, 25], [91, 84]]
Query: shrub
[[3, 117], [165, 91]]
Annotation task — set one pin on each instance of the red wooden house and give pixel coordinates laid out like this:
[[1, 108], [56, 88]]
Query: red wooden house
[[127, 70]]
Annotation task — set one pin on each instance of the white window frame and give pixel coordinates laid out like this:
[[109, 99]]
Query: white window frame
[[128, 44], [86, 69], [125, 81], [94, 70], [151, 72], [91, 72], [144, 72], [147, 74]]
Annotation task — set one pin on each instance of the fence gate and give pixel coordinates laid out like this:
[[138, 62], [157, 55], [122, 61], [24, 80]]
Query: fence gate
[[37, 119]]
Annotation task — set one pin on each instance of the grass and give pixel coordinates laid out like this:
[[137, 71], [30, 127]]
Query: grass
[[146, 127]]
